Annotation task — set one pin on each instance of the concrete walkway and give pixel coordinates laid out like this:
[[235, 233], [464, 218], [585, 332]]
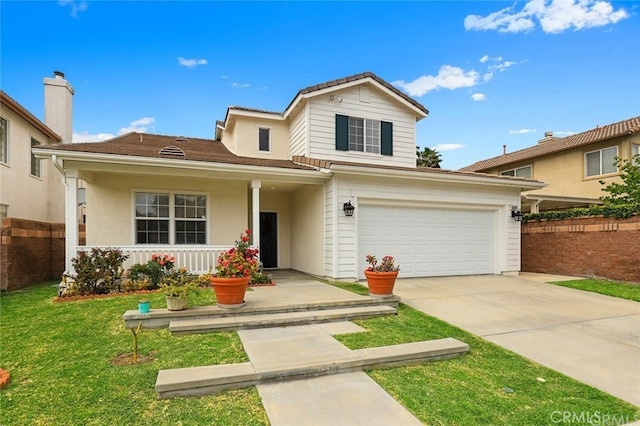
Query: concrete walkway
[[587, 336], [347, 399]]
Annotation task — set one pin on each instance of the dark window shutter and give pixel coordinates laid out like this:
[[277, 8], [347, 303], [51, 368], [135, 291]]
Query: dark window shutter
[[386, 138], [342, 132]]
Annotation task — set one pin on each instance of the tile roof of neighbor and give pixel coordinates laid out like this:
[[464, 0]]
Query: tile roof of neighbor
[[24, 113], [610, 131], [362, 76], [149, 145]]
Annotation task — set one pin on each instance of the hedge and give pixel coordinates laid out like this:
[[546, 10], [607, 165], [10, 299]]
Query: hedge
[[616, 211]]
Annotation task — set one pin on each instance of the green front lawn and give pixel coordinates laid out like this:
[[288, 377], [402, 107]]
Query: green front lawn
[[622, 290], [59, 356]]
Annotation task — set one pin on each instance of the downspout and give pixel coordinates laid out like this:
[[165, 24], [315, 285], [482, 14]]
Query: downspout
[[61, 169]]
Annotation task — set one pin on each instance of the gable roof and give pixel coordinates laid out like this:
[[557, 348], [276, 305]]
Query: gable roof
[[12, 104], [334, 85], [357, 77], [150, 146], [599, 134]]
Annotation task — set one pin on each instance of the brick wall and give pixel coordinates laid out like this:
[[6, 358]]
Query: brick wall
[[31, 252], [586, 247]]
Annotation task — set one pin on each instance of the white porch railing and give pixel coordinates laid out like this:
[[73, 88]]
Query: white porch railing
[[197, 259]]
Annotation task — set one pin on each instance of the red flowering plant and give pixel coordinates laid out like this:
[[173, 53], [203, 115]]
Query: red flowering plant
[[386, 265], [239, 261], [151, 274]]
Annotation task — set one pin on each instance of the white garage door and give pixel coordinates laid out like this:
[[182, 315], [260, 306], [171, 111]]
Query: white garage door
[[427, 241]]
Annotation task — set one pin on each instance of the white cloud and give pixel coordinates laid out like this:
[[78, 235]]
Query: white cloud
[[521, 131], [88, 137], [142, 125], [561, 133], [76, 6], [484, 59], [554, 16], [240, 85], [479, 97], [448, 147], [191, 63], [449, 77]]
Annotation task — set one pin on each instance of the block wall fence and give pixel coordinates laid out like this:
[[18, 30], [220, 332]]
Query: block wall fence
[[31, 252], [586, 247]]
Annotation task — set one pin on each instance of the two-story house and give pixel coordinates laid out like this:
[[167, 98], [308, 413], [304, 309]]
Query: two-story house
[[30, 188], [572, 166], [328, 180]]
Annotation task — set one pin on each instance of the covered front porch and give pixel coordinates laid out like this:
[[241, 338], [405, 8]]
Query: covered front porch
[[196, 213]]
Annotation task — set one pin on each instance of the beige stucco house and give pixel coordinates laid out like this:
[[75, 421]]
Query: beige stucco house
[[288, 176], [29, 187], [572, 166]]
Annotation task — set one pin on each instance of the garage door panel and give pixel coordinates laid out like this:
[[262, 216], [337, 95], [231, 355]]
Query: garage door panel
[[428, 242]]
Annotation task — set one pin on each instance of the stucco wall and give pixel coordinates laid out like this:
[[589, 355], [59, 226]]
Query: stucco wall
[[29, 197], [112, 223], [565, 171], [245, 137], [587, 247], [307, 232]]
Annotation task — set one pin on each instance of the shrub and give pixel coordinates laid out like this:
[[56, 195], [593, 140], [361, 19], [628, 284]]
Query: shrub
[[97, 272], [617, 211], [151, 274]]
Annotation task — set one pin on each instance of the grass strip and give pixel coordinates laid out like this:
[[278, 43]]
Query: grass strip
[[619, 289]]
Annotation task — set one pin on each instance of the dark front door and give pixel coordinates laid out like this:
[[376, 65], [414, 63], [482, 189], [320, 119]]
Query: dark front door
[[269, 239]]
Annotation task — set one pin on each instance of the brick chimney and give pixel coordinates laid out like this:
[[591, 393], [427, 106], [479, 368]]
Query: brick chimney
[[548, 137], [58, 105]]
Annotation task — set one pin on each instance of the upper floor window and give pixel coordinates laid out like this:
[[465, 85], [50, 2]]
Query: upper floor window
[[163, 218], [635, 150], [264, 139], [364, 135], [4, 141], [601, 162], [35, 163], [524, 172]]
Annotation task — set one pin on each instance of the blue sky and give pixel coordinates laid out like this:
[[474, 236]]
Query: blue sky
[[491, 73]]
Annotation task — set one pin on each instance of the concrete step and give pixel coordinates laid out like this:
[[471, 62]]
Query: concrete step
[[207, 380], [241, 321], [160, 318]]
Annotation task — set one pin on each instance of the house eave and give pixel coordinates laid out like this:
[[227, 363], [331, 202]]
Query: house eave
[[114, 163], [442, 176]]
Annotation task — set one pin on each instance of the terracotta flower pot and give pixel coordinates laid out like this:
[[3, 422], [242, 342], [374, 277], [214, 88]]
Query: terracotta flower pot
[[381, 283], [230, 291]]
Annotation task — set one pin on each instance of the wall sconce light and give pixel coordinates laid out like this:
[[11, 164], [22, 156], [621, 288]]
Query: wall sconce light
[[348, 208], [516, 214]]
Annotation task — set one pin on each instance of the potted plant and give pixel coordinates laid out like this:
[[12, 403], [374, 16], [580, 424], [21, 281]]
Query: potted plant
[[144, 305], [233, 272], [381, 277], [176, 287]]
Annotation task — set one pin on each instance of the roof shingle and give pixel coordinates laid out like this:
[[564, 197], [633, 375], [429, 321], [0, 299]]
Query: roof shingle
[[610, 131]]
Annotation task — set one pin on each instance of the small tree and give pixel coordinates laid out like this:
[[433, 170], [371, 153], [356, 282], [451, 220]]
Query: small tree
[[627, 192], [428, 158]]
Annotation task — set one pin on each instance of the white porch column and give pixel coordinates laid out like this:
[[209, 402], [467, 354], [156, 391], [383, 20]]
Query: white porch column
[[71, 219], [535, 206], [255, 213]]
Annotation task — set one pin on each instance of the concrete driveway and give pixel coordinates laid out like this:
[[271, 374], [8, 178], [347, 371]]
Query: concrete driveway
[[587, 336]]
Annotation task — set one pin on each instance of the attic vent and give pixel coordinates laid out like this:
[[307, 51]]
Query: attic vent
[[181, 139], [172, 150]]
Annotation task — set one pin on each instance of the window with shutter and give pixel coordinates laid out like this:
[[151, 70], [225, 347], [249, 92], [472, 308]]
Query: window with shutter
[[364, 135]]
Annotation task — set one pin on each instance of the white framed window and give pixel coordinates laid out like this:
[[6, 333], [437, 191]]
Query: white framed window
[[170, 218], [264, 139], [4, 211], [524, 172], [364, 135], [601, 162], [35, 163], [4, 141]]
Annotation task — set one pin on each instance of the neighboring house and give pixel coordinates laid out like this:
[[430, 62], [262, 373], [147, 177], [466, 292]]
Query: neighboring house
[[29, 187], [572, 167], [288, 176]]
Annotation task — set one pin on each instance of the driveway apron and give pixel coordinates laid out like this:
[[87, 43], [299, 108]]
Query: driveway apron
[[587, 336]]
